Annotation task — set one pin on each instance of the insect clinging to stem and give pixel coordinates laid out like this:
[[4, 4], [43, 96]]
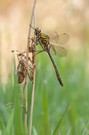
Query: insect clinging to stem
[[52, 44]]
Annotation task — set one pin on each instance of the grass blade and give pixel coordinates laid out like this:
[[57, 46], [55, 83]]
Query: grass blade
[[45, 117], [56, 130]]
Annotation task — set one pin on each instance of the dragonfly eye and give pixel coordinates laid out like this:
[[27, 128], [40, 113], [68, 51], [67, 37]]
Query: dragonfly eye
[[37, 31]]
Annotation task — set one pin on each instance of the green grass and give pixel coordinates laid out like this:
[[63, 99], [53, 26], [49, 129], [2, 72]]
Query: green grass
[[56, 109]]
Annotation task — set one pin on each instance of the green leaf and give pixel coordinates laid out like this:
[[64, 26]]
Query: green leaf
[[45, 116], [9, 128], [56, 130]]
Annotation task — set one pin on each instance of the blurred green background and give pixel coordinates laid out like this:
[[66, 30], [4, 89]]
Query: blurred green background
[[51, 101]]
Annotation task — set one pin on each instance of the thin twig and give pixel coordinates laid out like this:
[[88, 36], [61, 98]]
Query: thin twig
[[33, 82], [26, 79], [26, 82]]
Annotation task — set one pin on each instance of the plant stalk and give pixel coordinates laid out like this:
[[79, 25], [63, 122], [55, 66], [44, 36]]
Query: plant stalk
[[34, 76], [26, 79]]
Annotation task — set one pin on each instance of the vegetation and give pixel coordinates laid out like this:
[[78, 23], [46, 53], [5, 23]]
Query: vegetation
[[56, 109]]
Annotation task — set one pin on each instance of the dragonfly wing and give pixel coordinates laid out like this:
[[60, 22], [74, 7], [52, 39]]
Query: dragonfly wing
[[59, 38], [63, 38], [54, 37], [58, 50]]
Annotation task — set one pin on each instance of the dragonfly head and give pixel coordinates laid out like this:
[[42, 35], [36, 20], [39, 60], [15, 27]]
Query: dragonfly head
[[37, 31]]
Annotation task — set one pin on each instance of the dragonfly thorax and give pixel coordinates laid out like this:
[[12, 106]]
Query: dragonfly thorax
[[44, 39]]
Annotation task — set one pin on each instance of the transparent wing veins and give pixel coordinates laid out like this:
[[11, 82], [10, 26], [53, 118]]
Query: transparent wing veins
[[57, 50], [59, 38]]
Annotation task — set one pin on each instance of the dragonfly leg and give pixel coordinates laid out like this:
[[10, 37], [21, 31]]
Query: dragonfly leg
[[39, 51]]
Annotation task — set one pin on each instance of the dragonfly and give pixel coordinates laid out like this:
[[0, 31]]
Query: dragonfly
[[51, 44]]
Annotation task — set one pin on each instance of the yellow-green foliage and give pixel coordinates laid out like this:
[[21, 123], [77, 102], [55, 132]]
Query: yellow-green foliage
[[56, 109]]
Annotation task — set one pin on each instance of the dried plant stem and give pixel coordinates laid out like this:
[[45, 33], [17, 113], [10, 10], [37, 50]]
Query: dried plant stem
[[32, 98], [34, 76], [25, 91]]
